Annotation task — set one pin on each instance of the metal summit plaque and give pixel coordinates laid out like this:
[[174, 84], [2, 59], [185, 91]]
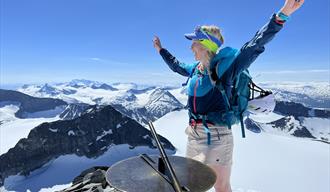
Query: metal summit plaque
[[160, 173]]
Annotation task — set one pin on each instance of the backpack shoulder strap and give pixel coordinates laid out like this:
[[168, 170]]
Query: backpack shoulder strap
[[222, 90], [225, 58], [228, 112], [190, 75]]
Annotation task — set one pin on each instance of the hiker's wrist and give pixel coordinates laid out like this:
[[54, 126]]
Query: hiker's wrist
[[285, 12], [281, 17]]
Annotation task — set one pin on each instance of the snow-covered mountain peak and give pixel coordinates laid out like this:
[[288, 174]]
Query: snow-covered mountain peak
[[48, 89], [158, 94], [82, 83], [104, 86]]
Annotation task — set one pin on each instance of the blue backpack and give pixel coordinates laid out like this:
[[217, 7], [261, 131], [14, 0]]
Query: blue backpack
[[243, 90], [237, 104]]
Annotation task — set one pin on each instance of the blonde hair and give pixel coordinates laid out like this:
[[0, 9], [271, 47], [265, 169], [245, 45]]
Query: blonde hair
[[214, 30]]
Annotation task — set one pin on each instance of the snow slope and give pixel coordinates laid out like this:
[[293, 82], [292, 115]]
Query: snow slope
[[264, 162], [319, 127], [180, 94], [13, 129]]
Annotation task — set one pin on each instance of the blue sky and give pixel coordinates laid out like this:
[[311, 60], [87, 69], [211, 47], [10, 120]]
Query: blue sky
[[111, 40]]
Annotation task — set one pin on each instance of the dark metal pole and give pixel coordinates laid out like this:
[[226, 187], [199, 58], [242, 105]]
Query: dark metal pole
[[176, 184]]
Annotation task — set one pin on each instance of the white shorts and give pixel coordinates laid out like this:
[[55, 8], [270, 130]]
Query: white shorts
[[220, 152]]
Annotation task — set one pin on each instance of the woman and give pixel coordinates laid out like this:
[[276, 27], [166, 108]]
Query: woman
[[210, 141]]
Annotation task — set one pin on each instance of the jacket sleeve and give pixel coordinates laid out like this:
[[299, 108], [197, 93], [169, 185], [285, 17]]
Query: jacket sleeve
[[253, 48], [176, 66]]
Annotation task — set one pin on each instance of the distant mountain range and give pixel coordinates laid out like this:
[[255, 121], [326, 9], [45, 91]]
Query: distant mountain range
[[310, 94], [303, 103], [143, 104]]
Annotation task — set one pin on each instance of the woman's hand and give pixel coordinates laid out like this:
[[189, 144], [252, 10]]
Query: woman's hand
[[291, 6], [157, 43]]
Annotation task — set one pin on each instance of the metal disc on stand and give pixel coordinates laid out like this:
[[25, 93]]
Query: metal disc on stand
[[135, 175], [160, 173]]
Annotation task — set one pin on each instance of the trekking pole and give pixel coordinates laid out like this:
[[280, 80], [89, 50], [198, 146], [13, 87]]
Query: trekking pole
[[175, 183]]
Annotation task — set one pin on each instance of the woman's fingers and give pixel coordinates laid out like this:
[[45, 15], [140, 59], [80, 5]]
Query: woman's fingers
[[156, 42], [299, 3], [291, 6]]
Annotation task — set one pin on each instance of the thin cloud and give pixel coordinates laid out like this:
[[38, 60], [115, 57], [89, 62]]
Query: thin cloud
[[96, 59], [108, 61]]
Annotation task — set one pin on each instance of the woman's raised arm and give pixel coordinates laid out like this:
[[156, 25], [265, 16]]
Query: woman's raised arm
[[253, 48], [175, 65]]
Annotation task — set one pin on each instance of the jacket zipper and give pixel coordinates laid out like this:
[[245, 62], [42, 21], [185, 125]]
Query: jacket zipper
[[195, 92]]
